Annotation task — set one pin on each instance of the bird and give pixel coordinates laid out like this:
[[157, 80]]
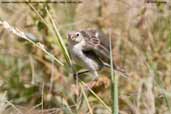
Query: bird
[[91, 49]]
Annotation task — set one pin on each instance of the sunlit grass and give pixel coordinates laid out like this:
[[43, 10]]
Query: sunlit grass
[[136, 36], [94, 94], [21, 34], [114, 82], [54, 30]]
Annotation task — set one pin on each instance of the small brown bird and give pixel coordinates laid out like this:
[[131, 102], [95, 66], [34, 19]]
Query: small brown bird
[[91, 48]]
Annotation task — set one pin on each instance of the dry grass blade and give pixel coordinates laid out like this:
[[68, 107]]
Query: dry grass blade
[[22, 35], [55, 30], [105, 105], [13, 106], [88, 104]]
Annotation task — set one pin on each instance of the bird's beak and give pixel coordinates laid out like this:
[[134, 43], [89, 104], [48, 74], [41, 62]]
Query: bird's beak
[[71, 35]]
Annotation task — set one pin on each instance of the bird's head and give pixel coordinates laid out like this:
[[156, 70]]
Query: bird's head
[[75, 37]]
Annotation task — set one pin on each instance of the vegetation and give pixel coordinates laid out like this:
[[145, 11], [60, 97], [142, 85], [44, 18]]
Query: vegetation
[[36, 69]]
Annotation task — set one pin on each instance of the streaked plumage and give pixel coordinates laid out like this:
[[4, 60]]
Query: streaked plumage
[[91, 47]]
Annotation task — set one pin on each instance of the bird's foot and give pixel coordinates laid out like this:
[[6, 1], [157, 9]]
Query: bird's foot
[[77, 74], [91, 84]]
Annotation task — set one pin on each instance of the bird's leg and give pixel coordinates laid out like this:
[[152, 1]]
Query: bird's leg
[[95, 75], [91, 84], [77, 74]]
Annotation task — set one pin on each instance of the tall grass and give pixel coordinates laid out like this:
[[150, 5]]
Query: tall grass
[[99, 99], [55, 31], [21, 34], [152, 82], [114, 82], [59, 39]]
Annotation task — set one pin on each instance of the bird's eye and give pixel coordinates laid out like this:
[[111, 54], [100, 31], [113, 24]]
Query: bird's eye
[[77, 34]]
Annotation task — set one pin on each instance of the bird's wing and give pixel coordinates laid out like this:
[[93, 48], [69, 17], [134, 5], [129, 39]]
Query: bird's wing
[[98, 43]]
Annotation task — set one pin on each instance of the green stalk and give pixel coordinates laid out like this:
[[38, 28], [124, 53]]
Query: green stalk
[[114, 84], [59, 39]]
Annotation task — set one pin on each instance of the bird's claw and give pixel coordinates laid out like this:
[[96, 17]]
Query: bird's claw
[[75, 75]]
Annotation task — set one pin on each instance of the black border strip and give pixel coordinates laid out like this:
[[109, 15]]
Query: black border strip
[[156, 2], [49, 2]]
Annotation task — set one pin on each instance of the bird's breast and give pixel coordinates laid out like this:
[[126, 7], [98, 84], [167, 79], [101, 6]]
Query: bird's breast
[[82, 59]]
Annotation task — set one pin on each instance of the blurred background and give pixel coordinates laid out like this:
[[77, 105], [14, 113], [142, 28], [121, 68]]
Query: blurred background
[[32, 83]]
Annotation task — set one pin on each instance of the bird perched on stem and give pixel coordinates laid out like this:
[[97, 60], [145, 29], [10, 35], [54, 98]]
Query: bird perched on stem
[[91, 47]]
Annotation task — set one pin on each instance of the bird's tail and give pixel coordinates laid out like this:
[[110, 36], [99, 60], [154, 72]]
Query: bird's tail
[[122, 71]]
